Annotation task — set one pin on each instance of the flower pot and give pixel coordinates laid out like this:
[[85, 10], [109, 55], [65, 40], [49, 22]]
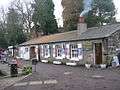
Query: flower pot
[[103, 65], [57, 62], [87, 66], [44, 61], [71, 64]]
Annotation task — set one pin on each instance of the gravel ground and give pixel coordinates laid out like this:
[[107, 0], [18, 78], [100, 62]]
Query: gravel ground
[[61, 77]]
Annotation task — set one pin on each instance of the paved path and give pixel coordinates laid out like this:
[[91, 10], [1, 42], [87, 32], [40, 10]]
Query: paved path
[[5, 82], [60, 77], [5, 68]]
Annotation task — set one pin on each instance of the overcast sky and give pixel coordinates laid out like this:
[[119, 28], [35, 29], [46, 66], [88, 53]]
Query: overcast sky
[[58, 8]]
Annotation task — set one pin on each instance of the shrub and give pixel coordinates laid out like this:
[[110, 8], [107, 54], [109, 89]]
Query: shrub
[[27, 70], [50, 61]]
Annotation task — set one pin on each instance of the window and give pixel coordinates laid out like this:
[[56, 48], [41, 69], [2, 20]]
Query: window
[[26, 49], [58, 50], [74, 51], [46, 51]]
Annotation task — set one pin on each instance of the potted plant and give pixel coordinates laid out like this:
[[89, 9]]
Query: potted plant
[[87, 64], [103, 65]]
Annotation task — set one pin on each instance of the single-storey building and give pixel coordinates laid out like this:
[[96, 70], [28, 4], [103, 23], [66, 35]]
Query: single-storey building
[[95, 45]]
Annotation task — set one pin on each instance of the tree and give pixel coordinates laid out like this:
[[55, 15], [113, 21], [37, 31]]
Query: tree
[[26, 11], [103, 12], [14, 28], [43, 17], [71, 12], [3, 41]]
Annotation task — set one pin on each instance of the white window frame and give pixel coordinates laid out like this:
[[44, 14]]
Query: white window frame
[[58, 51], [26, 49], [74, 52]]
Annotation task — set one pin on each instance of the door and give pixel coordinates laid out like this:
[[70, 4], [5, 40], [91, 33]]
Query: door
[[98, 53], [32, 53]]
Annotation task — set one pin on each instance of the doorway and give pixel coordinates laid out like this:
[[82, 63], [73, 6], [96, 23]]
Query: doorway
[[32, 53], [98, 53]]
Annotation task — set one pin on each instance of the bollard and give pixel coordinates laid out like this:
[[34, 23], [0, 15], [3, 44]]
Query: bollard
[[14, 70], [34, 62]]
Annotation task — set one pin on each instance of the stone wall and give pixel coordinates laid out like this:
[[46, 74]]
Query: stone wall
[[88, 50], [111, 44], [64, 60]]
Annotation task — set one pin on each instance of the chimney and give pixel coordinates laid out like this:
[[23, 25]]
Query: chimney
[[81, 26]]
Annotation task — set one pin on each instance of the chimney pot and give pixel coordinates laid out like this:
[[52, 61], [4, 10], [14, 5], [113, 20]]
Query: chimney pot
[[81, 20], [81, 26]]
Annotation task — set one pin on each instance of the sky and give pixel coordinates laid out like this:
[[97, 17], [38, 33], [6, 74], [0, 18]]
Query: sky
[[58, 9], [117, 6]]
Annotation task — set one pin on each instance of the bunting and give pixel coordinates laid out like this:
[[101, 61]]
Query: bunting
[[80, 52], [53, 50], [42, 53], [67, 54]]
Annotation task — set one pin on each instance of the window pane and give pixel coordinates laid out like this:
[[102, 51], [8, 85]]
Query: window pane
[[74, 50]]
